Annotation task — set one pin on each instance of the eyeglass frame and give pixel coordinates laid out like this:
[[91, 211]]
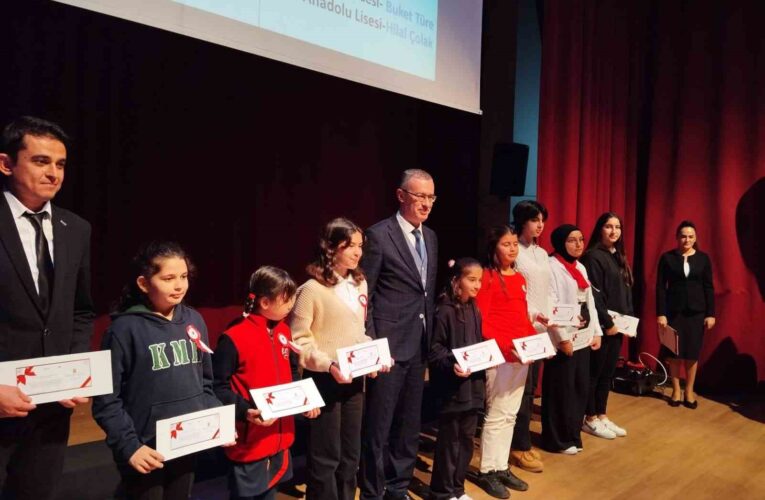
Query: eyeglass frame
[[421, 197]]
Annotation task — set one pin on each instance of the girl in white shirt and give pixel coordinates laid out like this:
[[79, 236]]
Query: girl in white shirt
[[566, 380]]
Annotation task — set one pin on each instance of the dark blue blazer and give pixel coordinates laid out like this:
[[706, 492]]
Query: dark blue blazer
[[397, 300]]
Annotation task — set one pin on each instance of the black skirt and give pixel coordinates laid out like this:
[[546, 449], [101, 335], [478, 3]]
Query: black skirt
[[690, 330]]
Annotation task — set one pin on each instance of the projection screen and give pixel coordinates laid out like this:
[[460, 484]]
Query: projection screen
[[428, 49]]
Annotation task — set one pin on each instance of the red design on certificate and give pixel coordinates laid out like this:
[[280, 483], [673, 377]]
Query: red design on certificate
[[21, 378], [565, 315], [54, 377], [192, 432], [287, 399], [479, 356], [364, 358], [534, 347], [582, 338]]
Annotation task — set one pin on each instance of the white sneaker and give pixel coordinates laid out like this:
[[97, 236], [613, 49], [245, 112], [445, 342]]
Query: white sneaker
[[598, 428], [465, 497], [571, 450], [619, 431]]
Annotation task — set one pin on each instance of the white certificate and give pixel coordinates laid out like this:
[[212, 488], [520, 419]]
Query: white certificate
[[670, 339], [565, 315], [479, 356], [287, 399], [534, 347], [624, 323], [582, 338], [197, 431], [54, 378], [363, 358]]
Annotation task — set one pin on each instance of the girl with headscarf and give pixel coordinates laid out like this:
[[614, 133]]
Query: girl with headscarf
[[566, 380]]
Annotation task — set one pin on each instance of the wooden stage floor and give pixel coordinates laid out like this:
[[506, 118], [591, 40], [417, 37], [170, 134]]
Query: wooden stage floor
[[716, 451]]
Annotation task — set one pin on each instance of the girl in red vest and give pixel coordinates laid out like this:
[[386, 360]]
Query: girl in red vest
[[255, 352]]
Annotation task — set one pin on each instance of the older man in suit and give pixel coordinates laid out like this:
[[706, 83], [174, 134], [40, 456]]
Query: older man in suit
[[400, 262], [45, 304]]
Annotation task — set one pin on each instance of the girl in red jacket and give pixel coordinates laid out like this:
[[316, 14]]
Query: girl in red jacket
[[255, 352], [506, 316]]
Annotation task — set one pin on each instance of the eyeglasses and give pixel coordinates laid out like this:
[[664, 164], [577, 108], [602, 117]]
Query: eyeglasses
[[421, 197]]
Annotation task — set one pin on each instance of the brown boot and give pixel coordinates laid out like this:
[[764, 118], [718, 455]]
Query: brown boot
[[526, 460]]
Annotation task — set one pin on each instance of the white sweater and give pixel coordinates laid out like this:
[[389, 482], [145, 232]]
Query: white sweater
[[566, 291], [322, 322], [533, 263]]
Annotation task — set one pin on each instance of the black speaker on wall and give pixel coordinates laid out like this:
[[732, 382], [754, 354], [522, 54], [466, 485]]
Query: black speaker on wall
[[508, 169]]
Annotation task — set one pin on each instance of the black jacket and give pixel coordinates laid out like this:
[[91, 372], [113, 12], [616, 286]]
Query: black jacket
[[453, 329], [24, 331], [609, 287], [677, 293], [157, 373]]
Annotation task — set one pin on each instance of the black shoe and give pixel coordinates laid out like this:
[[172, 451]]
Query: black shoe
[[674, 403], [388, 496], [690, 405], [512, 481], [491, 484]]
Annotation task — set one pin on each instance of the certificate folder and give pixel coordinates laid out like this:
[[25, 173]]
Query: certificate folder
[[670, 339]]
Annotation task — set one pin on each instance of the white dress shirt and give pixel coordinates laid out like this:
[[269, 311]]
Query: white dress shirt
[[407, 228], [348, 292], [27, 231]]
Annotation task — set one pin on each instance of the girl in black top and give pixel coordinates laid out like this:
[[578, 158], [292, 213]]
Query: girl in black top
[[460, 393], [611, 278], [685, 300]]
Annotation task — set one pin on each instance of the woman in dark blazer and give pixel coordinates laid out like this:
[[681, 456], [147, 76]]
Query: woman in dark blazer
[[685, 300]]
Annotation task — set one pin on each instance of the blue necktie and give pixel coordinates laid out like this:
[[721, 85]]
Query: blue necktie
[[418, 243]]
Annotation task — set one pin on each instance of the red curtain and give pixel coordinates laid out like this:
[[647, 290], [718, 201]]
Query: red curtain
[[657, 111]]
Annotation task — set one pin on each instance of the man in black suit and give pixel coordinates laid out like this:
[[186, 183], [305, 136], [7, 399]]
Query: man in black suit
[[45, 304], [400, 262]]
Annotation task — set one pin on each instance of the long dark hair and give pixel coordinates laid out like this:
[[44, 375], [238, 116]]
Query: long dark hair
[[147, 263], [335, 235], [686, 223], [269, 282], [596, 241], [456, 271], [524, 211], [490, 262]]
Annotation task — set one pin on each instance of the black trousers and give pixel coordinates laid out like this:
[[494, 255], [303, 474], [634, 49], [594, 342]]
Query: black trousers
[[521, 432], [602, 367], [172, 482], [32, 452], [392, 430], [334, 439], [565, 387], [454, 449]]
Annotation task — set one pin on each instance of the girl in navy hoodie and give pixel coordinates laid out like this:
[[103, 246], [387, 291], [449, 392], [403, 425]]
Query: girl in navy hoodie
[[161, 368], [257, 351], [460, 393]]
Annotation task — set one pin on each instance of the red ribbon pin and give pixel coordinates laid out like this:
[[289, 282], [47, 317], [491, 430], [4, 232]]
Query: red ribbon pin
[[196, 337]]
